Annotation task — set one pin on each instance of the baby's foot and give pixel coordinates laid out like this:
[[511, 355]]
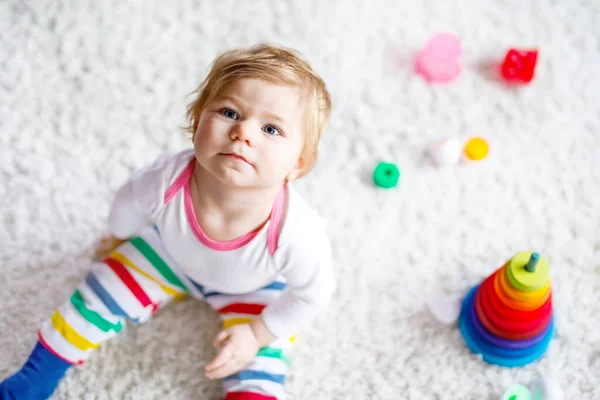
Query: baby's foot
[[37, 379]]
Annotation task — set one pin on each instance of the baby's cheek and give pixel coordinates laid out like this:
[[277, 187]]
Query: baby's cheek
[[283, 164], [270, 168]]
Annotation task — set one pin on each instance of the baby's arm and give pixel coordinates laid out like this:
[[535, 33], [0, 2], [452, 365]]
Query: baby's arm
[[304, 258], [124, 219], [135, 203], [307, 265], [130, 209], [263, 335], [106, 245]]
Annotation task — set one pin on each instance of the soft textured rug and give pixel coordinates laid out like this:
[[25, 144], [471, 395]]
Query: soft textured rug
[[90, 90]]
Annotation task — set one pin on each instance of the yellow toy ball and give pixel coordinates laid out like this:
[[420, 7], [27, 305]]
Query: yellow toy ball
[[476, 149]]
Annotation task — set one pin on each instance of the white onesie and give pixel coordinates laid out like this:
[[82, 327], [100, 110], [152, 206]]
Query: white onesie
[[292, 245]]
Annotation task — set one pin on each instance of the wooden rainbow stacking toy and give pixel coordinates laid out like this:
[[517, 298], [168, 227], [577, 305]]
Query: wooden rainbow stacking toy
[[508, 317]]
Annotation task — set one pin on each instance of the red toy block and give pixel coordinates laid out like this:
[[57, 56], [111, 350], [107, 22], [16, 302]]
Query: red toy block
[[519, 65]]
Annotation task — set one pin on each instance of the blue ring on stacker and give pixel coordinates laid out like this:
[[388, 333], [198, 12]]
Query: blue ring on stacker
[[505, 358], [488, 346]]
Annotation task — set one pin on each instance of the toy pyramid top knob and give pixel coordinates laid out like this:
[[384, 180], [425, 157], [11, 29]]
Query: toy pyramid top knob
[[532, 263], [528, 271]]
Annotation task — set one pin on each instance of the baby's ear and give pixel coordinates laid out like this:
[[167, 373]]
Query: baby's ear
[[297, 171], [194, 133]]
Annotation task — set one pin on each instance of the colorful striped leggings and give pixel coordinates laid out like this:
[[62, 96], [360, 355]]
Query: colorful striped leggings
[[135, 281]]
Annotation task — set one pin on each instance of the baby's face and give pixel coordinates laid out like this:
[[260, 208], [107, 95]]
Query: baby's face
[[252, 136]]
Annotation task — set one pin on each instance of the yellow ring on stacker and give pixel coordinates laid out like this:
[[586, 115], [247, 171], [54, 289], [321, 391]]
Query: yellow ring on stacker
[[524, 280], [532, 297], [509, 301]]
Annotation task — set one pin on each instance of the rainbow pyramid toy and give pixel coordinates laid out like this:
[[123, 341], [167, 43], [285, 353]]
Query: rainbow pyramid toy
[[508, 318]]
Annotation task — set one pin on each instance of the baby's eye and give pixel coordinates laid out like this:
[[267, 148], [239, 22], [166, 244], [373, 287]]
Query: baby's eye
[[272, 130], [229, 113]]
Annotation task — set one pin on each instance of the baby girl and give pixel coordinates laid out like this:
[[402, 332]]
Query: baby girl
[[220, 222]]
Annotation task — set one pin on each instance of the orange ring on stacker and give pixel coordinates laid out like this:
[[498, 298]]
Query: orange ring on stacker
[[518, 295], [512, 303], [505, 311], [523, 305], [525, 321], [498, 331]]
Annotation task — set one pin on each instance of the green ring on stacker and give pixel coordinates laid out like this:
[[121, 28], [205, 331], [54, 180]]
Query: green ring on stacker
[[386, 175], [526, 281]]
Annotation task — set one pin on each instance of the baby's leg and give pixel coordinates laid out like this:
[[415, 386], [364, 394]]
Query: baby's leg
[[264, 377], [131, 284]]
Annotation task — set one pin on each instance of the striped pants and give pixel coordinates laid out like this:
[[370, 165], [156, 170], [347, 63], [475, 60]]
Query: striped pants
[[135, 281]]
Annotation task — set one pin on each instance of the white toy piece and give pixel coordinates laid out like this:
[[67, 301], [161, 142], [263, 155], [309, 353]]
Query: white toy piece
[[454, 150], [447, 151], [541, 389], [547, 389], [445, 309]]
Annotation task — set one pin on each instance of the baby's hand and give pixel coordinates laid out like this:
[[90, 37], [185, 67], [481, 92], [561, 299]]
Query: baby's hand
[[106, 245], [241, 346]]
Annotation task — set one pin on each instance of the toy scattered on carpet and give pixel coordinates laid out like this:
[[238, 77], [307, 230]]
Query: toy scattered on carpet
[[445, 308], [517, 392], [519, 66], [508, 318], [476, 149], [541, 389], [546, 389], [447, 151], [451, 151], [386, 175], [439, 60]]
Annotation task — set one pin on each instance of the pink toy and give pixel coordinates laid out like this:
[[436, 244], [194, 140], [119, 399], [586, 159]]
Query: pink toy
[[439, 60]]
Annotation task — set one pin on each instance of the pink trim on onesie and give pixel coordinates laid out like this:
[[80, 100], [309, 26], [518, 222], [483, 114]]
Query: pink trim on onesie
[[276, 216], [183, 180], [197, 229]]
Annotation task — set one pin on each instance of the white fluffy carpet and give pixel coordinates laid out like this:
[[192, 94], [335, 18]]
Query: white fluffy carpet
[[91, 90]]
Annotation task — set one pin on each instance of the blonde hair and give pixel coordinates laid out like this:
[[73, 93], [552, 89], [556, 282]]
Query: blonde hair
[[273, 64]]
